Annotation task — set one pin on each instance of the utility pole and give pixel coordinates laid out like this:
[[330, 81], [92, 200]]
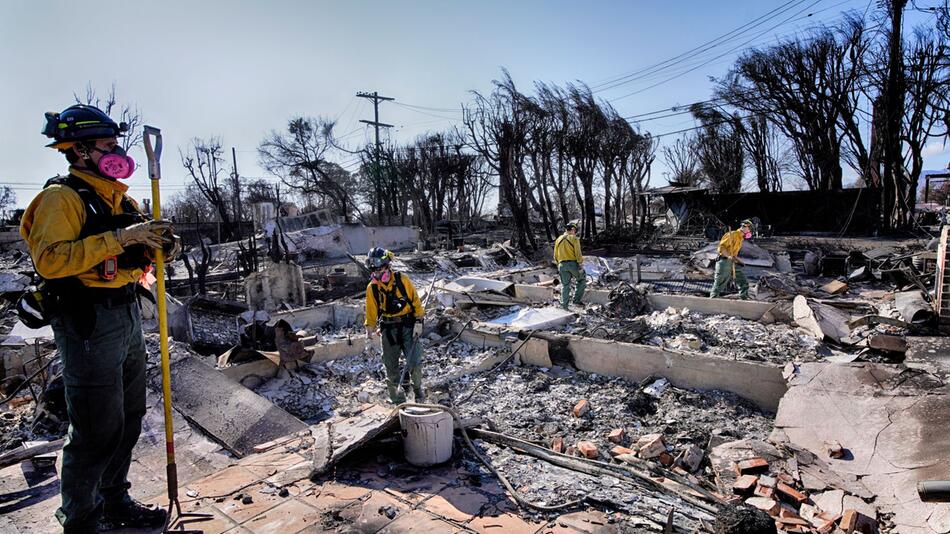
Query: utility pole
[[374, 96], [236, 187]]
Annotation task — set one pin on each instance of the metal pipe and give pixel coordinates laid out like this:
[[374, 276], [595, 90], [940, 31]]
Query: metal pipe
[[934, 490]]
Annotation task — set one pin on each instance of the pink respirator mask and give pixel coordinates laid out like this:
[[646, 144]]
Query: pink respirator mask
[[383, 276], [116, 164], [747, 235]]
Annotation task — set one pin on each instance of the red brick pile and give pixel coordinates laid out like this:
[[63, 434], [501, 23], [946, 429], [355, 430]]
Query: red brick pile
[[792, 510]]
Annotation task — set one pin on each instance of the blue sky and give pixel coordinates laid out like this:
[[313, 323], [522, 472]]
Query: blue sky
[[239, 69]]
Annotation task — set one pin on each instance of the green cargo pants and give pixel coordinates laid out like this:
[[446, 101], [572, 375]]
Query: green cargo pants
[[568, 270], [397, 339], [724, 269], [103, 358]]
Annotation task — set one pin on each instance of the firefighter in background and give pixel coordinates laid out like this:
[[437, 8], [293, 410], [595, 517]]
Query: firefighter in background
[[728, 263], [92, 246], [570, 264], [394, 311]]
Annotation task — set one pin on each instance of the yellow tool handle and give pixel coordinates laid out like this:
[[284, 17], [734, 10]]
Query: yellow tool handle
[[154, 153]]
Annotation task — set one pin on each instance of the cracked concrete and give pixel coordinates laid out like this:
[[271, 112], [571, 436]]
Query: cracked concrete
[[891, 419]]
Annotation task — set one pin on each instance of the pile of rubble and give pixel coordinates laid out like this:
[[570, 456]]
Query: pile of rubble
[[546, 484], [315, 391], [789, 486], [722, 336], [731, 337], [564, 406]]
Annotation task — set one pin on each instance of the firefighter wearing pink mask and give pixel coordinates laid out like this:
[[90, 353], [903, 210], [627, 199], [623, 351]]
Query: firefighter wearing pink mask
[[92, 247], [394, 311], [727, 266]]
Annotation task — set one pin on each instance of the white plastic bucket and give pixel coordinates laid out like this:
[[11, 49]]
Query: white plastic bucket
[[427, 436]]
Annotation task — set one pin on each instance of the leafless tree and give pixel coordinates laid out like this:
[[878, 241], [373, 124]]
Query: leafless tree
[[299, 158], [188, 205], [129, 113], [626, 156], [808, 88], [204, 163], [719, 149], [681, 159], [763, 148], [259, 190], [584, 141], [388, 189], [635, 166], [496, 128], [943, 19], [924, 106], [550, 147], [557, 154]]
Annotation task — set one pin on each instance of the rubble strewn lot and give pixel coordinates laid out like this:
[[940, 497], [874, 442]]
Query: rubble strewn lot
[[716, 335], [731, 337], [631, 442], [537, 405]]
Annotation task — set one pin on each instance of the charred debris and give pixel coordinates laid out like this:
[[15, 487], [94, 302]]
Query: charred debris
[[650, 404]]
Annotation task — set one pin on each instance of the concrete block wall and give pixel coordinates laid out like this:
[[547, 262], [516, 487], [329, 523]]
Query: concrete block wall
[[760, 383]]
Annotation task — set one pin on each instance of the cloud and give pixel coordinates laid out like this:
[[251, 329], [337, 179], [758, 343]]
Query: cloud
[[934, 148]]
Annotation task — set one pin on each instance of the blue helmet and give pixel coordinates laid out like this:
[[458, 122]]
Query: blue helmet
[[378, 257], [80, 122]]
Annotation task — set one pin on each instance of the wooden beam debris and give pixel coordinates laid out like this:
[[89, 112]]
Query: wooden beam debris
[[16, 456], [688, 492]]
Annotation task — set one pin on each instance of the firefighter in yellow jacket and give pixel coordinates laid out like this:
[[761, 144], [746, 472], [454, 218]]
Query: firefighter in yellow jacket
[[91, 245], [570, 264], [394, 311], [727, 265]]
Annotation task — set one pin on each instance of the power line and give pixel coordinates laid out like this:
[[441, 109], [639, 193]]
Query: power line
[[355, 112], [702, 60], [610, 83], [405, 105], [682, 109], [420, 123], [673, 77], [340, 114], [679, 109], [412, 109], [708, 60]]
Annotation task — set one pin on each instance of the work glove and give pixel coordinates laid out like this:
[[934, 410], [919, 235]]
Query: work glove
[[417, 330], [148, 233], [370, 340]]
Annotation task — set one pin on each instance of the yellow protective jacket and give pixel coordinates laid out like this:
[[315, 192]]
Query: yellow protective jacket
[[376, 311], [567, 247], [51, 225], [730, 244]]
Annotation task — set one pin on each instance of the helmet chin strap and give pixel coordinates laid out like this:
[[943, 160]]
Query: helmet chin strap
[[85, 158]]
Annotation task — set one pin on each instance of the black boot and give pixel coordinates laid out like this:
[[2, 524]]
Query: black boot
[[419, 395], [130, 513]]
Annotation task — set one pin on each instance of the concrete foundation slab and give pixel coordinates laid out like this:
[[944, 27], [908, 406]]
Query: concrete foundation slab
[[746, 309], [760, 383], [890, 419]]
